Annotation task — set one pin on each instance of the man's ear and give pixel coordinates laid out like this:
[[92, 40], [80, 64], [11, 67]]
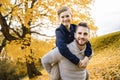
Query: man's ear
[[74, 35], [89, 37]]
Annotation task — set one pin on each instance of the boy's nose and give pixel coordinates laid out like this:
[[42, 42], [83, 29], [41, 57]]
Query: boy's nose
[[65, 18]]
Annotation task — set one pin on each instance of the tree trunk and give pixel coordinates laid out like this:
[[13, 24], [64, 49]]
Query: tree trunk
[[3, 44], [32, 70]]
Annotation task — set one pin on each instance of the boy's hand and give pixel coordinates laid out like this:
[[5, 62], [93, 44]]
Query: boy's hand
[[83, 63]]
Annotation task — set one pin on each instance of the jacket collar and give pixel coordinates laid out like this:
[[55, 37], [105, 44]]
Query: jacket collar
[[65, 29]]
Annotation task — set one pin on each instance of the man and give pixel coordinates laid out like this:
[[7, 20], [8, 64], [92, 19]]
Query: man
[[69, 71]]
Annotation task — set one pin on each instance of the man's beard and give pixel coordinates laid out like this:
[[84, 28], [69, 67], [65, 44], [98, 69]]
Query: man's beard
[[81, 44]]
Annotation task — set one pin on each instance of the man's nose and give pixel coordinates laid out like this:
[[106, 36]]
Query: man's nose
[[81, 35]]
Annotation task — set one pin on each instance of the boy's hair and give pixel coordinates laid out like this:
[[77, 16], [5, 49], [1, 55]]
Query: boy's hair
[[62, 9], [83, 24]]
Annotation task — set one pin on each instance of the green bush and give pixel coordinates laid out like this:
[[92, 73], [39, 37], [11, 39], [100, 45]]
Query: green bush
[[10, 70]]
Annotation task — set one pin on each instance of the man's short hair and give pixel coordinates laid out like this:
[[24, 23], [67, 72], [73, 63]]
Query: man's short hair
[[83, 24]]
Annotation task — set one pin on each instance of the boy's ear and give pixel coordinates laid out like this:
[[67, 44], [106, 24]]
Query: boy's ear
[[71, 17], [59, 18]]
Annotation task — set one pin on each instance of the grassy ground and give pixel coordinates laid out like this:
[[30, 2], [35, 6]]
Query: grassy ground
[[105, 63]]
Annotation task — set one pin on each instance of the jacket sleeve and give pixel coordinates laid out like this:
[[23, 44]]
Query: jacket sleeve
[[88, 51], [52, 57], [62, 46]]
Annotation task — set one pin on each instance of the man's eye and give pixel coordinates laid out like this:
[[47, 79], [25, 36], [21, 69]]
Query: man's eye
[[79, 33]]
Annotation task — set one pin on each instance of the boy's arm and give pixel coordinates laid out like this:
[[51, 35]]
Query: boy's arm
[[50, 58], [88, 51], [83, 63], [62, 46]]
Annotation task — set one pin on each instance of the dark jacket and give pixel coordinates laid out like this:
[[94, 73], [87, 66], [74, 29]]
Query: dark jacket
[[64, 37]]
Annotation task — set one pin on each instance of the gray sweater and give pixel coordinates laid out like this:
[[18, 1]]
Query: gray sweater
[[68, 70]]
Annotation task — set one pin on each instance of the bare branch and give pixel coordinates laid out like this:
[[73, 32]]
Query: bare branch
[[5, 29], [12, 9], [17, 33], [41, 34], [0, 4], [35, 26], [3, 44], [44, 14], [33, 1], [20, 20], [10, 21]]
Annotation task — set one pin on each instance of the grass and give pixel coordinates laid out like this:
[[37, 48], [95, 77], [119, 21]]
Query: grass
[[105, 63]]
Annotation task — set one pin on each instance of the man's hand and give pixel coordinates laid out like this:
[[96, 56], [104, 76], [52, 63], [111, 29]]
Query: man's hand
[[83, 63]]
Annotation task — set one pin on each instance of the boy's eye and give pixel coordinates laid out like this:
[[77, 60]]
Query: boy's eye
[[62, 16], [67, 15]]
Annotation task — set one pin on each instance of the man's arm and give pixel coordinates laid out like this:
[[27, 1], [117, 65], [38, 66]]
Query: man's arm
[[62, 46], [50, 58]]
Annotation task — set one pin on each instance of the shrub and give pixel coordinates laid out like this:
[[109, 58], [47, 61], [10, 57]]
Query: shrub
[[10, 70]]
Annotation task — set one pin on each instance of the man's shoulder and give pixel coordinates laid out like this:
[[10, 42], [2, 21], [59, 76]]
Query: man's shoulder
[[72, 45]]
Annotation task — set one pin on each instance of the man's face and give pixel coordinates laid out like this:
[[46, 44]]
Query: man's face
[[82, 35], [65, 18]]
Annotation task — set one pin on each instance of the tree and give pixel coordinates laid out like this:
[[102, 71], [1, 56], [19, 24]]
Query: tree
[[8, 12], [18, 18]]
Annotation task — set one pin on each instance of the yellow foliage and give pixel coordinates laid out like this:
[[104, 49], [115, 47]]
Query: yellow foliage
[[15, 51], [40, 47], [27, 17], [80, 10], [48, 8], [5, 1]]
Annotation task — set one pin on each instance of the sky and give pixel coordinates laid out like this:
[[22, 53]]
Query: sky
[[106, 14]]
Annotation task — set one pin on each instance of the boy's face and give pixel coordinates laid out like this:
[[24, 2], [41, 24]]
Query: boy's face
[[65, 18], [82, 35]]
